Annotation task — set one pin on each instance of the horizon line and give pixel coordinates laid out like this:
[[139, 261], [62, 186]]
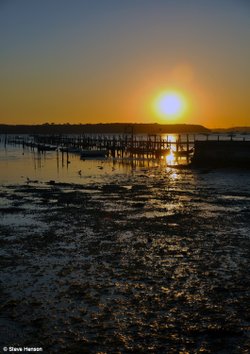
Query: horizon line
[[124, 123]]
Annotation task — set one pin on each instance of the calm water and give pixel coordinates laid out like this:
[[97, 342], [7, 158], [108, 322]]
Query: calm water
[[18, 163]]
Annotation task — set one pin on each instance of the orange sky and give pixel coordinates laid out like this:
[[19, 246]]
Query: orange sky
[[83, 62]]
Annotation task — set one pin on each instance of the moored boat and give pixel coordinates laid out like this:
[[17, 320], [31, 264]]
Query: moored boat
[[70, 149], [45, 147], [93, 153]]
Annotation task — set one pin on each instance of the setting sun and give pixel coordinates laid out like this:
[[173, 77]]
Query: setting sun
[[170, 105]]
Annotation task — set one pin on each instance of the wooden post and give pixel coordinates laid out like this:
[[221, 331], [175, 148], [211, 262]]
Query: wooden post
[[62, 158]]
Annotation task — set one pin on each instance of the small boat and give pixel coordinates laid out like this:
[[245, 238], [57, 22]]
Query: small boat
[[45, 147], [71, 149], [93, 153]]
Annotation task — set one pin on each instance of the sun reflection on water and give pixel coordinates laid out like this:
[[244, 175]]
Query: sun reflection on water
[[170, 158]]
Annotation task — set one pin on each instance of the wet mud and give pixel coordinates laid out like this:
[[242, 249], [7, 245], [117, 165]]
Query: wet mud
[[152, 262]]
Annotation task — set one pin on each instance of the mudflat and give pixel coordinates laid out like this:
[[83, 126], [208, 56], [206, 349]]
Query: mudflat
[[152, 262]]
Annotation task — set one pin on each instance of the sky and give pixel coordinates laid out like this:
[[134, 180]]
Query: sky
[[104, 61]]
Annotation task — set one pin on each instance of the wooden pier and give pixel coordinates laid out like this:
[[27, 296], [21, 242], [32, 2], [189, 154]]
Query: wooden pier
[[129, 145], [151, 146]]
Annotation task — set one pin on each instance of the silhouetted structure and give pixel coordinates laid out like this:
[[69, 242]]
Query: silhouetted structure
[[221, 153]]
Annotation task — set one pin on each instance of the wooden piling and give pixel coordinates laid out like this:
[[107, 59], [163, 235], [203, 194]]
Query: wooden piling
[[150, 146]]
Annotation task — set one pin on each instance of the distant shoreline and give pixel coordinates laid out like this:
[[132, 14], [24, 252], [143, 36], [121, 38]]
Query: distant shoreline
[[112, 128], [115, 128]]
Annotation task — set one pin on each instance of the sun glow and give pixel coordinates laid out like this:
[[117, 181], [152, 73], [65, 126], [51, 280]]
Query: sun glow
[[169, 105], [170, 158]]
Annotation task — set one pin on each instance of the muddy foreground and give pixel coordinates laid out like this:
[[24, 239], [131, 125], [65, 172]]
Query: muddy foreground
[[155, 262]]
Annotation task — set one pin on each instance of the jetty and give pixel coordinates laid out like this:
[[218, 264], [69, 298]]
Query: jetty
[[209, 150], [150, 146]]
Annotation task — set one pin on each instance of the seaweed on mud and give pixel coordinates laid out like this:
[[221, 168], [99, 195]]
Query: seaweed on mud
[[64, 185], [74, 198], [11, 210], [113, 188]]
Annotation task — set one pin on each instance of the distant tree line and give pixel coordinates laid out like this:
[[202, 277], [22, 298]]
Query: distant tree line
[[113, 128]]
